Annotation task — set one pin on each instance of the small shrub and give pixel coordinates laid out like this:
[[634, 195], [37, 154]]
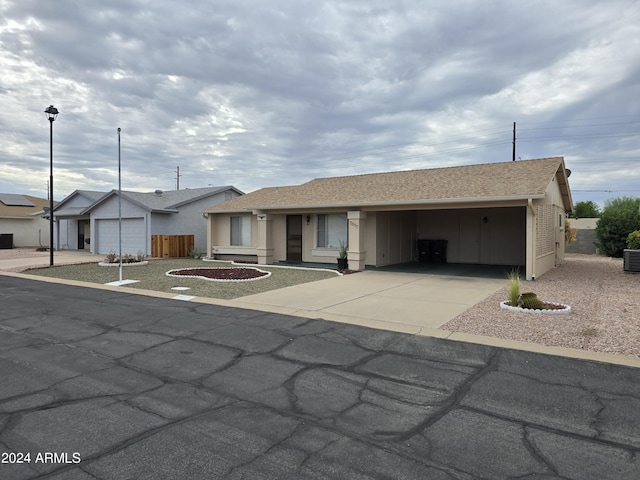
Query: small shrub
[[193, 253], [128, 258], [111, 257], [530, 300], [343, 251], [513, 287], [633, 240], [139, 256]]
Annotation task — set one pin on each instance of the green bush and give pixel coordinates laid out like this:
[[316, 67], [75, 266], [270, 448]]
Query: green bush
[[633, 240], [619, 218]]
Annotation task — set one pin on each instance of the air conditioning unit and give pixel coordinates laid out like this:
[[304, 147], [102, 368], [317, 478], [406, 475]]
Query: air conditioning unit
[[631, 261]]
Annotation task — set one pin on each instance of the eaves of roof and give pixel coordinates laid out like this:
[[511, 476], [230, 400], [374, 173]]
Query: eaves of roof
[[205, 195], [436, 201]]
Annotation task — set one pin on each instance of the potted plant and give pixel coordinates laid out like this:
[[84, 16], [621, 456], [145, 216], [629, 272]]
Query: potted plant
[[342, 257]]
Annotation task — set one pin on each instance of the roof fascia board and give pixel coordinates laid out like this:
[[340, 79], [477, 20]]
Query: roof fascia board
[[396, 203]]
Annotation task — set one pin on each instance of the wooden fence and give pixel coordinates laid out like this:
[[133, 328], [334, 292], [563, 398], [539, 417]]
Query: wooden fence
[[171, 246]]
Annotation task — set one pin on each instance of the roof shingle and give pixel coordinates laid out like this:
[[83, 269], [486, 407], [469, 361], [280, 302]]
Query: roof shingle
[[491, 180]]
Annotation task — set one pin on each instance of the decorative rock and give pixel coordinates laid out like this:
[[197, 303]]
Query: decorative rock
[[566, 309], [117, 264], [209, 273]]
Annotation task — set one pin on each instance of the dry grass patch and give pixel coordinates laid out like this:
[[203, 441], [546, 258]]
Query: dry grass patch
[[152, 277]]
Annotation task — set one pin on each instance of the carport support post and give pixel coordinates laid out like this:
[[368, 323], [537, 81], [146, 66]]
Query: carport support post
[[531, 241], [265, 238], [357, 253]]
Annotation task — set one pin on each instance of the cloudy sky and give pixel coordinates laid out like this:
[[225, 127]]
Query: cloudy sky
[[256, 93]]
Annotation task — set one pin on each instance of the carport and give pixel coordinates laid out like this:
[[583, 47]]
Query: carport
[[467, 236]]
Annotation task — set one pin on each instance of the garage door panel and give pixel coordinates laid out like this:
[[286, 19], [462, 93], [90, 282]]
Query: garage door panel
[[133, 236]]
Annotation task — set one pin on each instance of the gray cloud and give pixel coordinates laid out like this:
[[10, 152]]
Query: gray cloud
[[267, 93]]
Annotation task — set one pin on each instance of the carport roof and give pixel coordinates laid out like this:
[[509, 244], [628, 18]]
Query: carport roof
[[491, 181]]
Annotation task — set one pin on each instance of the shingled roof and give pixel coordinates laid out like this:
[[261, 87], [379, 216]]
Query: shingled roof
[[494, 181], [26, 206], [159, 201]]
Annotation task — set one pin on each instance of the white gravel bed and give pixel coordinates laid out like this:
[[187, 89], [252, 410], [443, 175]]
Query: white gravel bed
[[605, 304]]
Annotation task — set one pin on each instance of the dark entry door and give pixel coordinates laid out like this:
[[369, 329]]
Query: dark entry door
[[81, 225], [294, 238]]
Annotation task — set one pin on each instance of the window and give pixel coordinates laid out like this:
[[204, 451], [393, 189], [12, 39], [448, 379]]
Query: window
[[241, 231], [331, 230]]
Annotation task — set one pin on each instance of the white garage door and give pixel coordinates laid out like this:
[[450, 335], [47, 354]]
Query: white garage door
[[133, 236]]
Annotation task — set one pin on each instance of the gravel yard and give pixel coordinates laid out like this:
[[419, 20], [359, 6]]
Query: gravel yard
[[605, 303]]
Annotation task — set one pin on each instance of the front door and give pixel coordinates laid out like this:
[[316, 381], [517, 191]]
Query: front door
[[294, 238]]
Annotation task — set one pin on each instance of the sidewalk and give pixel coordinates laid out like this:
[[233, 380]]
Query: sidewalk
[[19, 259]]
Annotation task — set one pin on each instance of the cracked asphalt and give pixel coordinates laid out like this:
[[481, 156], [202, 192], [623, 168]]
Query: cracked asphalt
[[118, 386]]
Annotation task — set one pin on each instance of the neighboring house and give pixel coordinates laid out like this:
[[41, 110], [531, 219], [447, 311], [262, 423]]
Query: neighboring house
[[90, 220], [72, 220], [21, 216], [509, 213], [585, 236]]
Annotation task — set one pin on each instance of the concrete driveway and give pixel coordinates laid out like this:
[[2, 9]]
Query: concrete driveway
[[109, 385], [406, 302]]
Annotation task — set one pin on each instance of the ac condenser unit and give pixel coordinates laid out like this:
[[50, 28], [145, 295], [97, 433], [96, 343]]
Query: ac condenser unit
[[631, 261]]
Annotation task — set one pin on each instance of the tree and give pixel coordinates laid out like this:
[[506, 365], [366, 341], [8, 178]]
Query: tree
[[620, 217], [586, 209]]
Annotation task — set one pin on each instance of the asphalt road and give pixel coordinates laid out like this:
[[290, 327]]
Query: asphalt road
[[96, 384]]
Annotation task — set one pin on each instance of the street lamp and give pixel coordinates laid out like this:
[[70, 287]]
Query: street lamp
[[51, 114]]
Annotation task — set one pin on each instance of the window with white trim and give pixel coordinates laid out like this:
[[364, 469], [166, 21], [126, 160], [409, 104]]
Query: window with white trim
[[241, 231], [332, 228]]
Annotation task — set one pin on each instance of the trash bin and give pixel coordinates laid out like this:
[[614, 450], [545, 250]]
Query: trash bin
[[6, 241], [438, 251], [423, 250]]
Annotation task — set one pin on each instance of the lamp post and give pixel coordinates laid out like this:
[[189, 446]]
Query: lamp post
[[51, 113]]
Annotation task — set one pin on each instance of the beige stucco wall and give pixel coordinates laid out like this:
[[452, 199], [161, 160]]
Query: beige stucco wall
[[27, 232], [542, 263], [507, 237], [395, 234], [219, 234]]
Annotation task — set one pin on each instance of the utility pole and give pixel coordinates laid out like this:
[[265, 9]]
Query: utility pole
[[178, 177], [513, 154]]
